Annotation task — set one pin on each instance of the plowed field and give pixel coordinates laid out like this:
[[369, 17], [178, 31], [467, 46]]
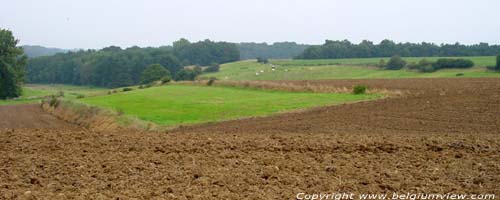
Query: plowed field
[[442, 137]]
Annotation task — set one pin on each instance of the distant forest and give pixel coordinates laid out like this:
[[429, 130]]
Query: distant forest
[[36, 51], [116, 67], [278, 50], [386, 48]]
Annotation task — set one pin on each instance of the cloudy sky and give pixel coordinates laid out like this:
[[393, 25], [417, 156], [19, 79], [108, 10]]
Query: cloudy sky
[[100, 23]]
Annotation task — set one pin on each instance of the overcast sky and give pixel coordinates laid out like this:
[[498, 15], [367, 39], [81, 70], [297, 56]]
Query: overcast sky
[[101, 23]]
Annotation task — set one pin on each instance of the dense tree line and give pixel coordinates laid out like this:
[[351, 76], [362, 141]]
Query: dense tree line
[[205, 52], [12, 62], [278, 50], [387, 48], [116, 67]]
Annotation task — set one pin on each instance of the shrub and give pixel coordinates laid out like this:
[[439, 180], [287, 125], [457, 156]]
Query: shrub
[[422, 66], [214, 67], [127, 89], [154, 73], [262, 60], [53, 101], [211, 81], [395, 63], [187, 74], [459, 74], [166, 79], [80, 96], [359, 89], [444, 63]]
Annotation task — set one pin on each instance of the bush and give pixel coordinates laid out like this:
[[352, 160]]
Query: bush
[[446, 63], [395, 63], [262, 60], [127, 89], [359, 89], [459, 74], [80, 96], [154, 73], [187, 74], [212, 68], [54, 101], [211, 81], [422, 66], [166, 79]]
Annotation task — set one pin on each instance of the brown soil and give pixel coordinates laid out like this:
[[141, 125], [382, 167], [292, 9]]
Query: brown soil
[[28, 116], [444, 137]]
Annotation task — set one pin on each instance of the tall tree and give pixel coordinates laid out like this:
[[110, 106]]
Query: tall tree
[[12, 62]]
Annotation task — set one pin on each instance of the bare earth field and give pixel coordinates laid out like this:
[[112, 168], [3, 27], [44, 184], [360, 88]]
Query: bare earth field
[[443, 137]]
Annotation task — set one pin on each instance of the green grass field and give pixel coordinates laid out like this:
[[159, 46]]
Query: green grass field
[[361, 68], [181, 104], [33, 93]]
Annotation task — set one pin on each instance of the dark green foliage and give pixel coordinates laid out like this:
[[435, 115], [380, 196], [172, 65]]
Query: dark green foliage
[[205, 52], [278, 50], [262, 60], [116, 67], [80, 96], [497, 67], [459, 74], [422, 66], [188, 74], [211, 81], [366, 49], [54, 101], [12, 62], [154, 72], [395, 63], [359, 89], [445, 63], [166, 79], [214, 67], [127, 89]]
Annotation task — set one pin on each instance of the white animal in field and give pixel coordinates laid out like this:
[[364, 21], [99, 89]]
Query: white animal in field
[[274, 69], [226, 77], [261, 71], [256, 74]]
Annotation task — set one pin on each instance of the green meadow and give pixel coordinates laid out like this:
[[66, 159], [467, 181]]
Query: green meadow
[[33, 93], [359, 68], [181, 104]]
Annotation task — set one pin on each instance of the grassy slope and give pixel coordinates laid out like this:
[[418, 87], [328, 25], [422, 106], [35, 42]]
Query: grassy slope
[[338, 69], [35, 92], [181, 104]]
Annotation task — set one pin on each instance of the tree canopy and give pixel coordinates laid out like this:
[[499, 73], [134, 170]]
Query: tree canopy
[[12, 62], [387, 48], [116, 67], [277, 50], [154, 72]]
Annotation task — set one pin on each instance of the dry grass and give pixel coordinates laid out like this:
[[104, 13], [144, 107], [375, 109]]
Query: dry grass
[[94, 118], [293, 87]]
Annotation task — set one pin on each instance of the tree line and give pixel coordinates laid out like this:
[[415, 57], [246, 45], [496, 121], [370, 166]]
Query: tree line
[[387, 48], [116, 67], [277, 50]]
